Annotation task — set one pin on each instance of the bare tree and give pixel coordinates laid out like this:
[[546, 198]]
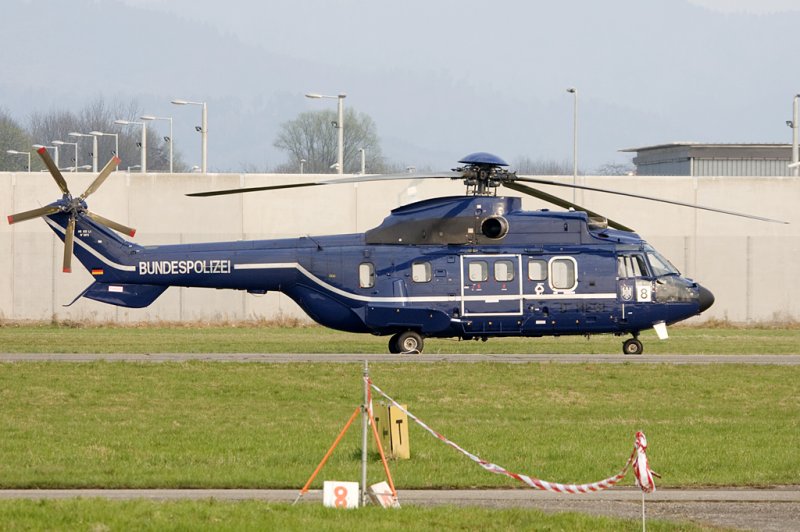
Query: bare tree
[[312, 137], [99, 116], [13, 137], [616, 169], [527, 166]]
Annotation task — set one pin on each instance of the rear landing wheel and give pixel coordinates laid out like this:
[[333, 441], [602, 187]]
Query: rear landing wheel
[[632, 346], [408, 342]]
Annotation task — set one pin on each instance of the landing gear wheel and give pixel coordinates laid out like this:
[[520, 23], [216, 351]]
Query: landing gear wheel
[[394, 346], [409, 342], [632, 346]]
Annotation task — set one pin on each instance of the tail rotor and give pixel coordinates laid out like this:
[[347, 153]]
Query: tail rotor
[[72, 206]]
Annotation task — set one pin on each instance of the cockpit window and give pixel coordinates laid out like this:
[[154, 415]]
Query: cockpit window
[[659, 263], [631, 266]]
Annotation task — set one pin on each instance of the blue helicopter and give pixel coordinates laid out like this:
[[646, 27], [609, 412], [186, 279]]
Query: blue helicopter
[[470, 267]]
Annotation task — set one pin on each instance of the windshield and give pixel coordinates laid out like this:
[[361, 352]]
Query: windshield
[[659, 264]]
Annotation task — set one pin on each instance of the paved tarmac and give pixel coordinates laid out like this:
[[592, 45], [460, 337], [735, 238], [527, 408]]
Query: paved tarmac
[[744, 509], [779, 360]]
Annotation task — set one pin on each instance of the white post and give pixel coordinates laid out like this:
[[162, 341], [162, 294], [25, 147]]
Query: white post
[[144, 148], [340, 125], [795, 169], [94, 153], [204, 136], [574, 92], [364, 429]]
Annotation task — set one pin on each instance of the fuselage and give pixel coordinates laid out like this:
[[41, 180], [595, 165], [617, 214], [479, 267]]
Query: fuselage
[[468, 267]]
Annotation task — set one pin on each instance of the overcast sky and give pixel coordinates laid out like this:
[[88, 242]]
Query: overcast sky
[[441, 78]]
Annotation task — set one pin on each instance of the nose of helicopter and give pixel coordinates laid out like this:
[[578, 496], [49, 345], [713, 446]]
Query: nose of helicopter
[[705, 299]]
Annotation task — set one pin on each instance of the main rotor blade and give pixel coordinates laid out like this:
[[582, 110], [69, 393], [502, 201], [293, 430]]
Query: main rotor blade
[[35, 213], [124, 229], [555, 200], [54, 171], [69, 239], [357, 179], [104, 173], [650, 198]]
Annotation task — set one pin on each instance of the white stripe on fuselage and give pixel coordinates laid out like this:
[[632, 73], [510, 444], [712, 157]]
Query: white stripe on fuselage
[[415, 299]]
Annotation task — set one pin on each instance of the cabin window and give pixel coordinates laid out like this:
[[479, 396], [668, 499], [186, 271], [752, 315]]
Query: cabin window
[[563, 273], [421, 272], [631, 266], [503, 271], [366, 275], [537, 270], [478, 271]]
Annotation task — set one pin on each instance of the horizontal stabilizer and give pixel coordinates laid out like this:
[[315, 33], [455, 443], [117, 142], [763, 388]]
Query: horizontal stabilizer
[[124, 295]]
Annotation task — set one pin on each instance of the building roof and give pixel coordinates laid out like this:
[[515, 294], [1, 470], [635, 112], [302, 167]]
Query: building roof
[[733, 145]]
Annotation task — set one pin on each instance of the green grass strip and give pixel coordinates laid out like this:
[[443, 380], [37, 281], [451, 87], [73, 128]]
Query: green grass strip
[[103, 515], [213, 425], [76, 338]]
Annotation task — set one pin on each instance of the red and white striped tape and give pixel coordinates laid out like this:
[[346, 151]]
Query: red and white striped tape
[[638, 458]]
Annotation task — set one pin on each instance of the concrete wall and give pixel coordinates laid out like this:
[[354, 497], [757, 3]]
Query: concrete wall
[[750, 266]]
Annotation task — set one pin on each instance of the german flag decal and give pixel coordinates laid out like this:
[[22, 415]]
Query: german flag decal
[[97, 272]]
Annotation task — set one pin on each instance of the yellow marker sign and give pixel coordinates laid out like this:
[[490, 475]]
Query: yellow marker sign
[[392, 426]]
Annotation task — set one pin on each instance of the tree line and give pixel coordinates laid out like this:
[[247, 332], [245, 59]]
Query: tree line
[[309, 141], [45, 127]]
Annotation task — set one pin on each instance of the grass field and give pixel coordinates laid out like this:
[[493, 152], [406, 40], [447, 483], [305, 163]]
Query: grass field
[[248, 338], [199, 424], [103, 515], [203, 424]]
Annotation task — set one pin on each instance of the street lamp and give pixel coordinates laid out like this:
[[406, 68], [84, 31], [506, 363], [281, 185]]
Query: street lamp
[[794, 125], [339, 126], [94, 147], [203, 131], [168, 139], [15, 152], [75, 144], [54, 148], [143, 159], [574, 92], [116, 139]]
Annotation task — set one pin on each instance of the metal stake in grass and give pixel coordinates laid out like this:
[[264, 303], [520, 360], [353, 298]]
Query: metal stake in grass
[[364, 427]]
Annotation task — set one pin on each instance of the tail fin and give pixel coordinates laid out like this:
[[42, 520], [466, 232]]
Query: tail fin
[[99, 249]]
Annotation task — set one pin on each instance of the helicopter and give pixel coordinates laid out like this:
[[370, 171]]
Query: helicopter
[[469, 266]]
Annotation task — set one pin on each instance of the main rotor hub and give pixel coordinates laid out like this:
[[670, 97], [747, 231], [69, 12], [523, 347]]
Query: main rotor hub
[[482, 173]]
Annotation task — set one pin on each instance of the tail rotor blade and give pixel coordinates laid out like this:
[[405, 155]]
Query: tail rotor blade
[[555, 200], [54, 171], [69, 239], [124, 229], [35, 213], [104, 173]]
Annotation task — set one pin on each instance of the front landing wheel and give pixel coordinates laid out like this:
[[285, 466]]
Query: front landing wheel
[[632, 346], [408, 342]]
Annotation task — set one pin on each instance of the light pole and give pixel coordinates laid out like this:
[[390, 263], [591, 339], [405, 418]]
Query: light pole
[[574, 92], [75, 145], [116, 139], [144, 140], [15, 152], [363, 160], [54, 148], [339, 126], [203, 132], [795, 125], [94, 147], [168, 139], [302, 162]]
